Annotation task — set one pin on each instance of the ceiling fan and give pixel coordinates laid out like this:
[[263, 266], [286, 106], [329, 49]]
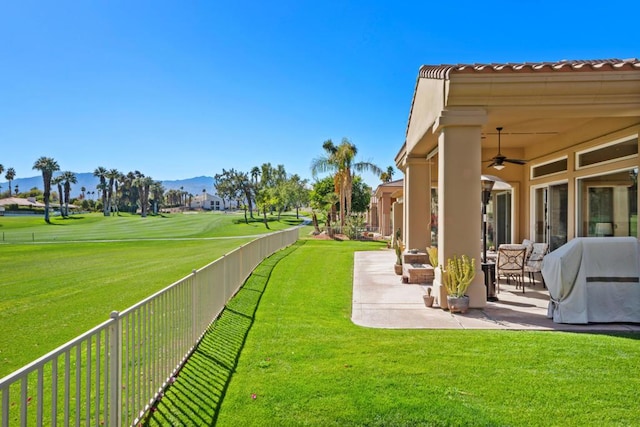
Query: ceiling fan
[[498, 161]]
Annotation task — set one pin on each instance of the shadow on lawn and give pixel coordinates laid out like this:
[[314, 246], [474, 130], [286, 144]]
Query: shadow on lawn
[[194, 398]]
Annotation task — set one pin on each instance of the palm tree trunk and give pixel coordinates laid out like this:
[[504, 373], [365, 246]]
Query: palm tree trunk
[[314, 220], [348, 194], [46, 210]]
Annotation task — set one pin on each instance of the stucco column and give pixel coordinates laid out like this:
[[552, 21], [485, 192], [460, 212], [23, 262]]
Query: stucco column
[[417, 204], [385, 212], [459, 194]]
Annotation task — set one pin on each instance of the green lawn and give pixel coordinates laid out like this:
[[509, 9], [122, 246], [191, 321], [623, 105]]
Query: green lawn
[[285, 353], [95, 226], [80, 269]]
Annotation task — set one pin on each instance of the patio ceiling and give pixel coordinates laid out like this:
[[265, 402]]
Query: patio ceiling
[[534, 102]]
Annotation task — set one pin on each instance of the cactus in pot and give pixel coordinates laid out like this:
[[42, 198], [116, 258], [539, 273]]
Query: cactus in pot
[[458, 275], [399, 248]]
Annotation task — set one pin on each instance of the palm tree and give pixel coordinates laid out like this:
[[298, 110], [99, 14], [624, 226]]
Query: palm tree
[[2, 170], [57, 181], [157, 192], [255, 173], [47, 166], [388, 175], [68, 178], [101, 173], [11, 174], [113, 175], [340, 160], [130, 190], [143, 184], [120, 179], [83, 190]]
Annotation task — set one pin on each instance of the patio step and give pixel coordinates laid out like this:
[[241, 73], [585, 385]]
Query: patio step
[[417, 273]]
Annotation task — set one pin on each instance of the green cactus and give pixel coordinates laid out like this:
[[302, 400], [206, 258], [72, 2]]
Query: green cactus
[[458, 275], [433, 255], [399, 247]]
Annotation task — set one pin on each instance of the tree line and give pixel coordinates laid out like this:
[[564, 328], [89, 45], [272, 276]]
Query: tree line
[[117, 190], [269, 187], [262, 190]]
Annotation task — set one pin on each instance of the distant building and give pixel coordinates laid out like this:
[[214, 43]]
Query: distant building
[[19, 201], [207, 202], [380, 208]]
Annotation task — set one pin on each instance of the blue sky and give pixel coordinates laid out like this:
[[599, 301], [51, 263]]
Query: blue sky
[[186, 88]]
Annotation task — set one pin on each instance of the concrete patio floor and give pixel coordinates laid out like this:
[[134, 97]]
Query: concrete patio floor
[[381, 300]]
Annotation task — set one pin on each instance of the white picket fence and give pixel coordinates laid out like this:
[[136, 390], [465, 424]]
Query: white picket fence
[[112, 374]]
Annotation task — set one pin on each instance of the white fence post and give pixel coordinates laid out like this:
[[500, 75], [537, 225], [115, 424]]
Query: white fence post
[[115, 371]]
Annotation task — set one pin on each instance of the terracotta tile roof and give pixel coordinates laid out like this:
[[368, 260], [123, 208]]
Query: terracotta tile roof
[[443, 71]]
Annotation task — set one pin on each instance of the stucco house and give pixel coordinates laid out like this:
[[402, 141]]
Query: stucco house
[[574, 125], [380, 214], [207, 201]]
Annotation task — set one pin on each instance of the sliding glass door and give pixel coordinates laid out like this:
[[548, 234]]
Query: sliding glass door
[[550, 215], [503, 218]]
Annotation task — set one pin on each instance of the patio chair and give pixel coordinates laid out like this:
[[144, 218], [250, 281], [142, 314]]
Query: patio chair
[[529, 245], [510, 264], [534, 263]]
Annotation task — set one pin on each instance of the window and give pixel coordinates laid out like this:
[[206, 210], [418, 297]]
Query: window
[[616, 150], [549, 168], [608, 204]]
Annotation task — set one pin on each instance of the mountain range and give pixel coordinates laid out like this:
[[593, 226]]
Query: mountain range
[[89, 182]]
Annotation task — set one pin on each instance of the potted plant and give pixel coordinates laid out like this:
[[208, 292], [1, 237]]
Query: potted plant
[[428, 298], [456, 278]]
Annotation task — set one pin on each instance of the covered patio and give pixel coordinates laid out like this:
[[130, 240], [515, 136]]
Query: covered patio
[[381, 300], [563, 135]]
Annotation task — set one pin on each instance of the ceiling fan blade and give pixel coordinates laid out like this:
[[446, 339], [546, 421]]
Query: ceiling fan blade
[[516, 161]]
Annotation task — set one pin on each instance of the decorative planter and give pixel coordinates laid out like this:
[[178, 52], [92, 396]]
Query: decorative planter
[[458, 304], [398, 269], [428, 300]]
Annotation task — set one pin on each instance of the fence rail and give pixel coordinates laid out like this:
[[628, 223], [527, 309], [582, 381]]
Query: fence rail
[[112, 374]]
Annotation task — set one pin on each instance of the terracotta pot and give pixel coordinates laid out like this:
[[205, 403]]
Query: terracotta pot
[[428, 300], [458, 304], [398, 268]]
